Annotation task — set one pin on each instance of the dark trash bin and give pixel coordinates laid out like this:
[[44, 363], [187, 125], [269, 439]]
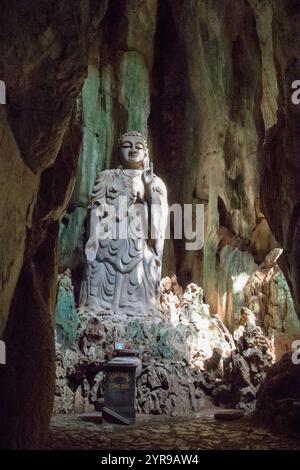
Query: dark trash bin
[[120, 387]]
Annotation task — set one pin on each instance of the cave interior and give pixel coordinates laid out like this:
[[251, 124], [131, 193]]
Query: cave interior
[[214, 88]]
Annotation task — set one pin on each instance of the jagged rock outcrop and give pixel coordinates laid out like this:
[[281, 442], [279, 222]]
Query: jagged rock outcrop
[[206, 74], [263, 13], [267, 295], [246, 368], [280, 170], [173, 348], [279, 396], [43, 63], [189, 358], [265, 325]]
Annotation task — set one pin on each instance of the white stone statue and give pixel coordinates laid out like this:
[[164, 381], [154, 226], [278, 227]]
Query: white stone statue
[[124, 252]]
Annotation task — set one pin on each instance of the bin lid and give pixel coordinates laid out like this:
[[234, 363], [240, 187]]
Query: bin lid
[[122, 362], [126, 352], [119, 365]]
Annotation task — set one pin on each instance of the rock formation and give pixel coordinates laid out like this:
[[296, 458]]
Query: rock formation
[[280, 164], [268, 296], [279, 396], [43, 62], [190, 360], [246, 368], [173, 349]]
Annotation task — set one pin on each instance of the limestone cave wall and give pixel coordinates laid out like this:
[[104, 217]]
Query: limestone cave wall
[[199, 79], [43, 62], [280, 167]]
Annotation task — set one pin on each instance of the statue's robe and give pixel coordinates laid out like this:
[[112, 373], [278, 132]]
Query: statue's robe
[[127, 270]]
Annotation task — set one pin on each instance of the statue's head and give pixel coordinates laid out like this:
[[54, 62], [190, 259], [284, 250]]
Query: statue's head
[[133, 150]]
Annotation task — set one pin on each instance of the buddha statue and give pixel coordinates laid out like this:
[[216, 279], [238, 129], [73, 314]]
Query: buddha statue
[[127, 218]]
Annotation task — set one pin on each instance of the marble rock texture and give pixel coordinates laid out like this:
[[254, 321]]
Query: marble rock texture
[[280, 191], [190, 360], [203, 96], [44, 50], [268, 296], [278, 401], [172, 349]]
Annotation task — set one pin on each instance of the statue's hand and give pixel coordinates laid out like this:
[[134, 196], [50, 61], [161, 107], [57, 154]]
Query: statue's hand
[[147, 174], [157, 261], [91, 248]]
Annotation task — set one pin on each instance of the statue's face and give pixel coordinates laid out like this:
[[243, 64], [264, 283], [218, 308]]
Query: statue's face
[[132, 152]]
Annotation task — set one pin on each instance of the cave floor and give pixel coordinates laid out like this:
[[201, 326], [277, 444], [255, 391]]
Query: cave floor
[[198, 432]]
